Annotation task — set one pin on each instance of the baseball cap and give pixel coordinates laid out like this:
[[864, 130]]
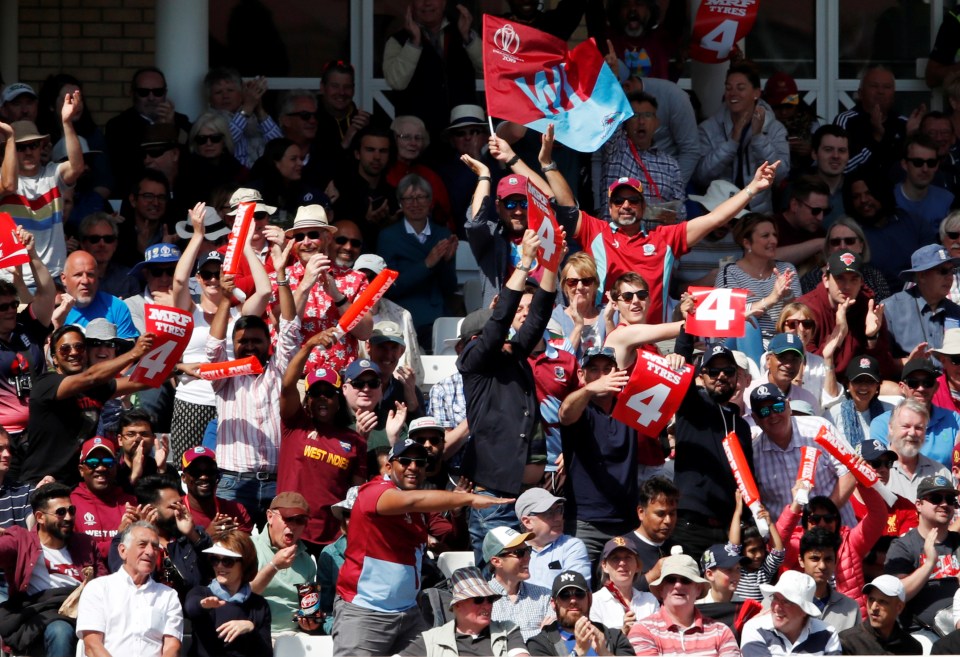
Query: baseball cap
[[800, 408], [535, 500], [632, 183], [569, 579], [158, 254], [386, 331], [499, 539], [290, 500], [781, 89], [935, 484], [841, 262], [15, 90], [510, 185], [721, 555], [617, 543], [781, 343], [715, 351], [766, 392], [323, 375], [209, 256], [97, 442], [408, 445], [598, 352], [198, 452], [887, 585], [474, 322], [865, 365], [872, 449], [919, 365], [424, 423], [371, 262], [358, 367]]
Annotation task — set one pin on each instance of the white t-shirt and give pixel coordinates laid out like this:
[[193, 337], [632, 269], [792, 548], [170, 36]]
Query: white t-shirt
[[607, 610], [198, 391], [54, 569]]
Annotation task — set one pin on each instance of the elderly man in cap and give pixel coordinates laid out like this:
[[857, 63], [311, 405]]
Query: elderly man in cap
[[907, 436], [542, 514], [776, 453], [200, 477], [881, 633], [925, 559], [573, 633], [524, 604], [920, 314], [473, 629], [784, 361], [793, 624], [284, 561], [376, 611], [919, 383], [362, 390], [103, 508], [679, 627], [37, 202]]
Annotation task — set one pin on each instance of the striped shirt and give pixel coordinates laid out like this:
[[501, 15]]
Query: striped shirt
[[619, 162], [14, 504], [527, 612], [37, 206], [733, 277], [660, 634], [241, 131], [750, 580], [760, 639], [248, 433]]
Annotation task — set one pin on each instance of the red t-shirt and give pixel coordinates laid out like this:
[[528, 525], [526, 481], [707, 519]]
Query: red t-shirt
[[228, 507], [652, 255], [99, 517], [902, 517], [321, 467]]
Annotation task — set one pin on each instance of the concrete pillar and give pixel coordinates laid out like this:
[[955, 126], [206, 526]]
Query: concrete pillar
[[707, 80], [182, 37], [9, 45]]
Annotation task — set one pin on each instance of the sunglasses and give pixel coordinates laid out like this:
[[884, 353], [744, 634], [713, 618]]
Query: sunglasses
[[93, 343], [209, 274], [106, 239], [227, 562], [470, 132], [405, 461], [714, 372], [776, 407], [63, 511], [620, 200], [945, 271], [363, 384], [489, 599], [792, 324], [642, 295], [156, 92], [312, 234], [150, 197], [953, 359], [952, 235], [295, 520], [815, 211], [4, 307], [519, 553], [157, 272], [817, 518], [159, 151], [574, 282], [936, 499], [304, 115], [672, 580], [327, 391], [211, 473], [28, 146], [931, 163], [913, 384], [95, 462], [845, 241], [570, 594], [432, 438], [882, 463], [514, 203], [200, 140], [69, 348], [354, 242]]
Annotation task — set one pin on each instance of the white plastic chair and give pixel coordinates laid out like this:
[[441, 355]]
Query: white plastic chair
[[467, 267], [302, 645], [446, 332], [472, 295], [436, 368], [449, 562]]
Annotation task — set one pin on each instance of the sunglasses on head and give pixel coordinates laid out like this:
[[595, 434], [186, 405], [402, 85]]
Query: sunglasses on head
[[775, 407], [519, 553], [68, 348], [792, 324], [489, 599], [157, 272], [63, 511], [570, 594], [4, 307], [405, 461], [354, 242], [226, 562], [156, 92], [200, 140], [936, 499], [574, 282], [327, 391], [514, 203], [844, 241], [714, 372], [620, 200], [209, 274], [363, 384], [303, 115], [96, 461], [96, 239], [931, 162], [817, 518], [93, 343], [628, 296], [312, 234], [913, 384]]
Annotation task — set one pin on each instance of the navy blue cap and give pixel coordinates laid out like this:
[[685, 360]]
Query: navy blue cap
[[766, 392], [358, 367], [872, 450], [784, 342], [158, 254], [598, 352], [408, 445], [722, 555], [713, 352]]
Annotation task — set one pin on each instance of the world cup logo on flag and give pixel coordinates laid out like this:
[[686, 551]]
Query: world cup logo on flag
[[507, 39]]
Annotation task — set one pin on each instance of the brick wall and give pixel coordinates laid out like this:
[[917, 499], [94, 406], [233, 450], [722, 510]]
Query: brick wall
[[101, 42]]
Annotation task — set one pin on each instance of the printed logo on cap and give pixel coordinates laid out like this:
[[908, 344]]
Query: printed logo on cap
[[165, 250], [942, 253], [762, 392], [790, 338], [364, 363], [567, 577], [619, 540], [940, 480], [847, 258], [864, 362], [513, 180]]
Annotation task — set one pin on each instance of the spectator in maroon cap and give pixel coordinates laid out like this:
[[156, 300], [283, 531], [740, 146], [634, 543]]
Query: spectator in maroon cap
[[103, 508], [800, 120], [215, 514]]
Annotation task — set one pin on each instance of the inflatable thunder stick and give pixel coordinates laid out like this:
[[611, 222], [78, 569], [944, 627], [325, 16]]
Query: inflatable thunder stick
[[840, 450], [370, 296], [745, 481], [807, 472]]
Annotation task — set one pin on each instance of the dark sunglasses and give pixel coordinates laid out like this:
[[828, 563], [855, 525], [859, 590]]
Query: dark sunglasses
[[28, 146], [209, 274], [931, 162], [620, 200], [63, 511], [200, 140], [96, 461], [4, 307], [936, 499], [363, 384], [515, 203], [405, 461], [570, 594], [469, 132], [304, 115], [882, 463], [953, 359], [156, 92], [312, 234], [817, 518], [628, 296], [775, 407], [157, 272], [815, 211], [226, 562], [952, 235], [432, 438], [158, 151], [574, 282], [327, 391], [93, 343], [673, 580], [913, 384], [489, 599], [67, 349], [519, 553], [845, 241], [714, 372], [945, 270], [210, 473], [792, 324], [354, 242], [96, 239]]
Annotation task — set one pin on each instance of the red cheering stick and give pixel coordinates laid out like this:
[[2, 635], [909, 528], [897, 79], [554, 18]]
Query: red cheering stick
[[226, 369], [618, 596], [367, 300], [840, 450], [238, 238], [745, 482], [807, 472]]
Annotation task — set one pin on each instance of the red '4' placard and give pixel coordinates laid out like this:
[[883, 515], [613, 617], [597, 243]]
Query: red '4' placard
[[12, 251], [541, 219], [718, 26], [173, 328], [719, 312], [652, 395]]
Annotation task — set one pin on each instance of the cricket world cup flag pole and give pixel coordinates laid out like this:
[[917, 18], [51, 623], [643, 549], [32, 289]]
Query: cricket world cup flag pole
[[532, 79]]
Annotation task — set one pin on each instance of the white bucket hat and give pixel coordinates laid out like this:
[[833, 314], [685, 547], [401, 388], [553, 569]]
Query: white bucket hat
[[799, 588]]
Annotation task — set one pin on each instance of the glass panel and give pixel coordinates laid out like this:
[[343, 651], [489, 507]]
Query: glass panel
[[784, 38], [889, 32]]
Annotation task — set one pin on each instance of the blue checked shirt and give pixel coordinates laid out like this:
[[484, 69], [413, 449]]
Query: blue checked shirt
[[528, 611], [618, 161]]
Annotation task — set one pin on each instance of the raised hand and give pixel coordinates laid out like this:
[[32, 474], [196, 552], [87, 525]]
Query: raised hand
[[464, 22], [72, 107], [545, 156], [764, 177], [474, 165], [411, 26]]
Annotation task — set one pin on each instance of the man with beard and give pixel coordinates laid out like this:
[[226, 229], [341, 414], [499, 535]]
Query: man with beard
[[103, 507], [80, 281], [181, 541], [345, 247], [573, 633], [200, 477], [907, 434], [701, 470], [941, 425], [42, 568], [376, 610]]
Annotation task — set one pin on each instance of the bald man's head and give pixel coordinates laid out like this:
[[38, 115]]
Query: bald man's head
[[80, 277]]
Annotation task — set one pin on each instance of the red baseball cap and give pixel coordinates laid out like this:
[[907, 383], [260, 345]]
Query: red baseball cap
[[97, 442], [198, 452], [632, 183], [512, 184]]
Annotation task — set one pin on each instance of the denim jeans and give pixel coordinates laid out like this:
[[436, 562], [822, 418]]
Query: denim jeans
[[480, 521], [60, 639], [253, 494]]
